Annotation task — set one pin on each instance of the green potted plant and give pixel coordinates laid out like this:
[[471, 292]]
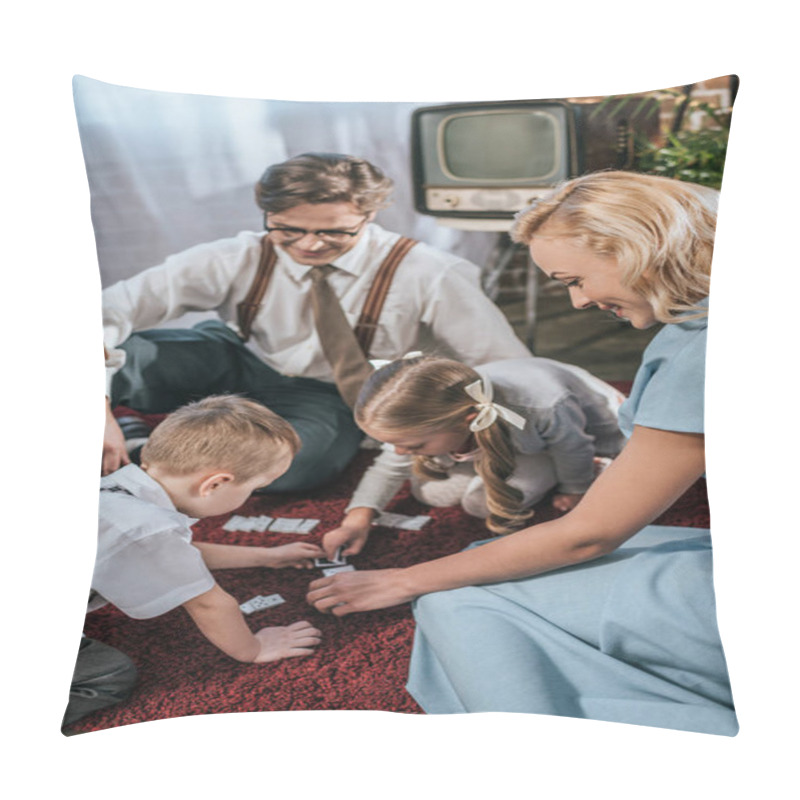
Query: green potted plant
[[687, 152], [694, 154]]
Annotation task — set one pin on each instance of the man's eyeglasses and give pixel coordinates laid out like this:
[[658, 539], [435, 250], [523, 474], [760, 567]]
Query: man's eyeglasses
[[287, 234]]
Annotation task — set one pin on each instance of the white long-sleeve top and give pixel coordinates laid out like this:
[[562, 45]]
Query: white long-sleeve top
[[569, 414], [435, 303]]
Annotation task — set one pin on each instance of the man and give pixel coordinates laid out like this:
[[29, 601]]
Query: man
[[271, 342]]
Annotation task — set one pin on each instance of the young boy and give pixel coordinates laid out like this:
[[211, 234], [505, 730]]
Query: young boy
[[203, 460]]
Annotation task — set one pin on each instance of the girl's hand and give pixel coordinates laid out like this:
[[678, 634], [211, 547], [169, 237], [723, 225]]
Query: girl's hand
[[351, 535], [349, 592], [566, 502], [300, 555]]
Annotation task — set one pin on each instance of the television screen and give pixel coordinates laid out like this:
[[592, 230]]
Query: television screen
[[488, 160], [501, 146]]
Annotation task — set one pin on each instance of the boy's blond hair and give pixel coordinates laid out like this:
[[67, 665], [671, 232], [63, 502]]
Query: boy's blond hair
[[223, 432]]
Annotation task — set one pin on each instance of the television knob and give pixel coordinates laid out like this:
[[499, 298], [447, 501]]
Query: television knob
[[451, 201]]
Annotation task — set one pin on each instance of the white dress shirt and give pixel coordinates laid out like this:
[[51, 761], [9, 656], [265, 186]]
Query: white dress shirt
[[435, 303]]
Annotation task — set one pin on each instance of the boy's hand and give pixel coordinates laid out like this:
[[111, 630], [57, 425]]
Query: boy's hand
[[300, 555], [297, 639], [351, 535]]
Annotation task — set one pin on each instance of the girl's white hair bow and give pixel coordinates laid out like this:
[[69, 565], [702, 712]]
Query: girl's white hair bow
[[482, 392]]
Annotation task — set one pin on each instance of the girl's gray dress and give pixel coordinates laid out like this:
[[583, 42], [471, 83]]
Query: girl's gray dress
[[630, 637]]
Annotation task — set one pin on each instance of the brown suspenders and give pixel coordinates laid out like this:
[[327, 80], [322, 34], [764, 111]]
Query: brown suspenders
[[370, 314], [246, 310], [373, 305]]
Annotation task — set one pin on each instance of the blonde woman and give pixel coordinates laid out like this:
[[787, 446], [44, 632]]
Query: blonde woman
[[494, 439], [598, 613]]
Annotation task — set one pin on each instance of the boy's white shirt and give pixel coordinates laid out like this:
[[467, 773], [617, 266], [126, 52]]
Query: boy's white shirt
[[146, 564]]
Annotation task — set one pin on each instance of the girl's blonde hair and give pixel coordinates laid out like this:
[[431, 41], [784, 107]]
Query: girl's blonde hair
[[660, 231], [426, 395], [223, 432]]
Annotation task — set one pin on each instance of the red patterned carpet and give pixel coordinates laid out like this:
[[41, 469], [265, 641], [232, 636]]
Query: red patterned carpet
[[363, 659]]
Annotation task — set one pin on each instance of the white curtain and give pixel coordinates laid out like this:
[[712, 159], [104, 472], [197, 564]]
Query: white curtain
[[167, 171]]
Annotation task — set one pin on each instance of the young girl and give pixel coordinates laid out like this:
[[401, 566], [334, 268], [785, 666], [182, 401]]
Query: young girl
[[496, 438], [598, 613]]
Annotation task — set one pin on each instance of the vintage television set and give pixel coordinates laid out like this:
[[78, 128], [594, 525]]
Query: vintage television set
[[476, 164]]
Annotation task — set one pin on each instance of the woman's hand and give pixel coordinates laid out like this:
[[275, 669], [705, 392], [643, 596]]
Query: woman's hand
[[115, 455], [351, 535], [349, 592]]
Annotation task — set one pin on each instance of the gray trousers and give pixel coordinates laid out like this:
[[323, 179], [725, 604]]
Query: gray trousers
[[166, 368], [103, 676]]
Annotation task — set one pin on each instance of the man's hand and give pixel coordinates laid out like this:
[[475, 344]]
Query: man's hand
[[114, 453], [348, 592], [351, 535]]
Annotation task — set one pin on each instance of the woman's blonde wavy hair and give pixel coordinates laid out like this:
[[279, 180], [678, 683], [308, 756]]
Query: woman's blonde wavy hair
[[425, 395], [660, 231]]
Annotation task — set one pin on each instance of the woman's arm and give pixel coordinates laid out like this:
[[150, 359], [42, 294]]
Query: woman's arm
[[653, 470]]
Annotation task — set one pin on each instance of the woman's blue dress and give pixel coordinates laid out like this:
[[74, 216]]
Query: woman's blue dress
[[630, 637]]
